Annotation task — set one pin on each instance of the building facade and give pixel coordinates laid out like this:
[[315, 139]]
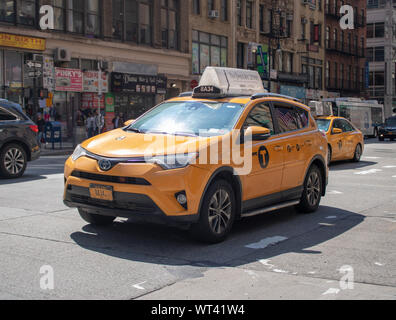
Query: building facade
[[345, 49], [381, 53], [117, 56]]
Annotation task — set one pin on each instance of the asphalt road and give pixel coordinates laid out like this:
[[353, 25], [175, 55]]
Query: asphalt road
[[281, 255]]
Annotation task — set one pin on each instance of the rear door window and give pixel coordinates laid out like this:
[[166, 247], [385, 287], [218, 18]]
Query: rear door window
[[286, 117]]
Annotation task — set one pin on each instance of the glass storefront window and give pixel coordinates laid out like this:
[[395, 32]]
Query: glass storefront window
[[13, 69]]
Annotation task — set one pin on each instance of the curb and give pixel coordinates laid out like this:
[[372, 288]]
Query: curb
[[49, 153]]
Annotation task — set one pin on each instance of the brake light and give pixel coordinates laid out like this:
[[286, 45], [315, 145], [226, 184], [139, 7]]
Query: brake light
[[34, 128]]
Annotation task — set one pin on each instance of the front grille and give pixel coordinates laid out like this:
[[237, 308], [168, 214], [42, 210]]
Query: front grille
[[114, 179], [113, 205]]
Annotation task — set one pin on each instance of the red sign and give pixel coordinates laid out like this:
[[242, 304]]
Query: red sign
[[68, 80], [194, 84]]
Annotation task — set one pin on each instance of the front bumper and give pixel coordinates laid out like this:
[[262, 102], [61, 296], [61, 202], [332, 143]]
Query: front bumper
[[154, 201]]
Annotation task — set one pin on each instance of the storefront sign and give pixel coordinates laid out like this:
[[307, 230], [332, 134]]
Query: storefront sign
[[135, 68], [109, 102], [129, 83], [91, 82], [16, 41], [92, 101], [48, 73], [70, 80]]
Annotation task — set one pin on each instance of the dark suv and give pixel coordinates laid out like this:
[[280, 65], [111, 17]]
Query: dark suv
[[388, 129], [18, 140]]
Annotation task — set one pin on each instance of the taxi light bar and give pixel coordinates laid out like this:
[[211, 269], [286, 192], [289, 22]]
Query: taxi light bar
[[221, 82]]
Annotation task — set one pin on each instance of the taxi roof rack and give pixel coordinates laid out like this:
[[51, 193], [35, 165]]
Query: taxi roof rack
[[273, 95]]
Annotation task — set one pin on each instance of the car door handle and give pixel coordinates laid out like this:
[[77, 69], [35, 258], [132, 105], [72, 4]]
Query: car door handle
[[278, 148]]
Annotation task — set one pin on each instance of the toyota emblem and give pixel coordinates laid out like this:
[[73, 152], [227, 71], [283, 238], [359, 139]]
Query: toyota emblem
[[105, 165]]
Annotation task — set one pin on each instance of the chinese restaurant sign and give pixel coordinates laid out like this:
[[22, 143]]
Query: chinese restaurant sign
[[91, 82], [121, 82], [70, 80], [15, 41]]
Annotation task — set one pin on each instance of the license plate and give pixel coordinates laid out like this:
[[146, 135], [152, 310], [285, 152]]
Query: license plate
[[101, 192]]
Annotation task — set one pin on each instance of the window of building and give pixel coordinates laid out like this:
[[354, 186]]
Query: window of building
[[196, 6], [249, 14], [239, 12], [208, 50], [7, 11], [169, 24], [224, 10], [241, 55]]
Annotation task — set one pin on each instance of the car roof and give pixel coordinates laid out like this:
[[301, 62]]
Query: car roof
[[243, 100]]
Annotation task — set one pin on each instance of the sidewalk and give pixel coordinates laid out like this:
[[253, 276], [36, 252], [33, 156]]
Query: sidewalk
[[47, 151]]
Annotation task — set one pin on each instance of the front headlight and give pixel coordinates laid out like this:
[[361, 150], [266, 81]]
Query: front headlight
[[174, 161], [78, 153]]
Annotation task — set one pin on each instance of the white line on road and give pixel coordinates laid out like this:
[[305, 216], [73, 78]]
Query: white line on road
[[389, 167], [371, 171], [266, 242], [372, 158], [139, 286], [331, 291], [331, 217], [334, 192], [379, 264]]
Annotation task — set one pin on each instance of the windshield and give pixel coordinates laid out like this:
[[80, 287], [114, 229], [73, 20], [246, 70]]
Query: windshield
[[391, 122], [323, 124], [196, 118]]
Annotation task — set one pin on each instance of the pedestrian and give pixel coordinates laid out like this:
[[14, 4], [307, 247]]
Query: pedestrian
[[41, 128], [117, 121], [90, 124]]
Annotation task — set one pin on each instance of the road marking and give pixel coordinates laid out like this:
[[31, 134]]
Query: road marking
[[331, 217], [311, 272], [334, 192], [372, 158], [389, 167], [266, 263], [266, 242], [393, 176], [371, 171], [331, 291], [379, 264], [139, 286], [280, 271]]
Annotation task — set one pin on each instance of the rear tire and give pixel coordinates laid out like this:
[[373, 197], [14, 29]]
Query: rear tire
[[13, 161], [312, 193], [358, 153], [217, 213], [95, 219]]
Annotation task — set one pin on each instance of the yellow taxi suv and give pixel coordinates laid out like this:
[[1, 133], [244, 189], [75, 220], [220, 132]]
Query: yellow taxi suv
[[346, 142], [191, 180]]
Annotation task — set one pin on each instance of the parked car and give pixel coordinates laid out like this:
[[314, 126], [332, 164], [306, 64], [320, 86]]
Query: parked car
[[387, 130], [18, 140]]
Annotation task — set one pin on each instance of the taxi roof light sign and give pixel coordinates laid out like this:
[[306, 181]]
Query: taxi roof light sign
[[222, 82]]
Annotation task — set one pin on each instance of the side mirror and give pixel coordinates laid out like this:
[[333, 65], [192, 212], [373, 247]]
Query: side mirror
[[337, 131], [128, 122], [258, 133]]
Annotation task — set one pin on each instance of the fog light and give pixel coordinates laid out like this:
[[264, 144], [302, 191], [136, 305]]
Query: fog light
[[182, 199]]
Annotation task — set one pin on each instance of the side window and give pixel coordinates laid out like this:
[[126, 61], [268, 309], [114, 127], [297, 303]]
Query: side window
[[347, 126], [287, 118], [6, 116], [302, 117], [260, 116], [337, 124]]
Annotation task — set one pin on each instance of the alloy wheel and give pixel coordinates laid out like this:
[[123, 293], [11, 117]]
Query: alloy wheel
[[14, 161], [313, 188], [220, 210]]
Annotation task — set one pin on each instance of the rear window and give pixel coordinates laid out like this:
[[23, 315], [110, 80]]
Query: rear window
[[5, 115], [323, 124]]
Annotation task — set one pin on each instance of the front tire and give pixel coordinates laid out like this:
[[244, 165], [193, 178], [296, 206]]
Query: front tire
[[95, 219], [312, 193], [217, 213], [13, 161], [358, 153]]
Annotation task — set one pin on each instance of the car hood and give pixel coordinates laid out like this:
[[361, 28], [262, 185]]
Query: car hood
[[119, 143], [391, 128]]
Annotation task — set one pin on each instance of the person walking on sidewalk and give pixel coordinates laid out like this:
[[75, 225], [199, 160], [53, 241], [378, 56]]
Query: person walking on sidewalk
[[41, 127], [91, 125]]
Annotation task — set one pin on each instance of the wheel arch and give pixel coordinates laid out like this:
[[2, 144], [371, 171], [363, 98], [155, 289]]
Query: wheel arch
[[321, 164], [20, 143], [226, 173]]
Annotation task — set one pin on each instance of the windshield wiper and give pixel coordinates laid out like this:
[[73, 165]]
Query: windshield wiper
[[134, 130]]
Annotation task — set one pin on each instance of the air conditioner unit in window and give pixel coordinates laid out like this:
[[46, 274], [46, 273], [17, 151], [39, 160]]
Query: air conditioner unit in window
[[62, 54], [213, 14]]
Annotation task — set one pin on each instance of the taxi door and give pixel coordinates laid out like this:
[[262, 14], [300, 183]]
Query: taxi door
[[337, 140], [295, 141], [351, 138], [262, 186]]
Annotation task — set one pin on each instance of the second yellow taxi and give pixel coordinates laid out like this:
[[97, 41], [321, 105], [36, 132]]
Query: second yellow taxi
[[346, 142]]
